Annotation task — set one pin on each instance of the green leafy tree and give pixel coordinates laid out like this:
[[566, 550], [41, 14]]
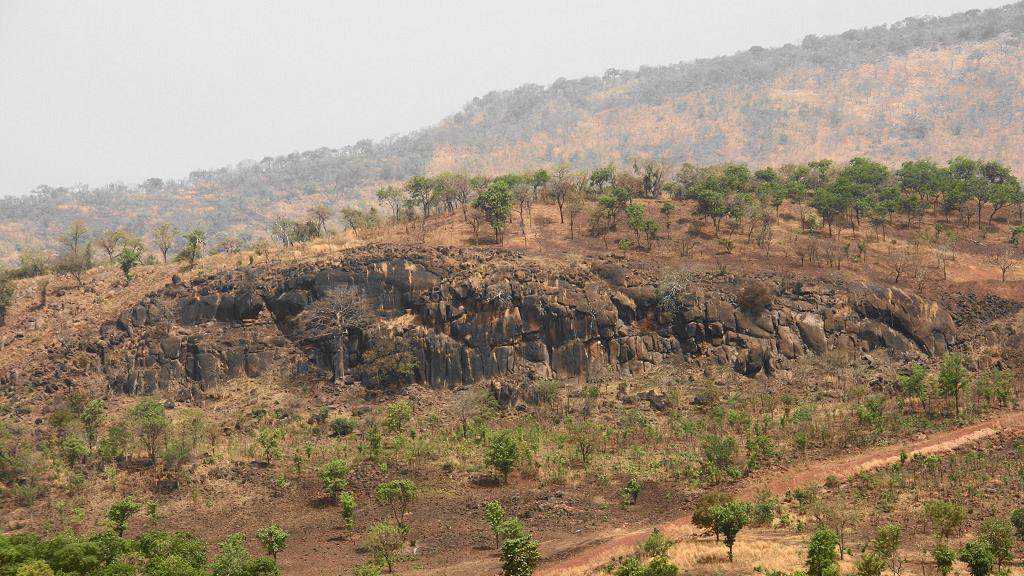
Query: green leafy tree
[[495, 202], [502, 454], [397, 495], [269, 440], [944, 556], [150, 422], [234, 559], [272, 539], [73, 450], [729, 518], [822, 558], [978, 557], [657, 544], [630, 492], [385, 541], [92, 418], [1017, 519], [998, 535], [703, 516], [398, 415], [127, 259], [117, 516], [945, 517], [334, 476], [519, 556], [870, 564], [347, 500], [195, 243], [887, 544], [495, 515], [953, 378]]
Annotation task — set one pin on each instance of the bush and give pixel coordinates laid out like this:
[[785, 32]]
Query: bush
[[502, 454], [397, 495], [334, 476], [398, 415], [978, 557], [347, 500], [119, 513], [519, 556], [341, 427], [272, 539]]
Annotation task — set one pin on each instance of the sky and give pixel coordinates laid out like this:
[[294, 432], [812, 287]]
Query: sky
[[122, 90]]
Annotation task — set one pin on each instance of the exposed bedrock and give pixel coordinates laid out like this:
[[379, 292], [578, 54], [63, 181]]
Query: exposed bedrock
[[465, 316]]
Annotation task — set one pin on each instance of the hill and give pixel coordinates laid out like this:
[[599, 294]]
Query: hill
[[929, 87]]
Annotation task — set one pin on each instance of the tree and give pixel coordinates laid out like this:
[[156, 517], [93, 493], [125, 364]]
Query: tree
[[320, 213], [870, 564], [667, 208], [398, 415], [109, 241], [978, 557], [393, 197], [334, 476], [269, 440], [127, 259], [420, 191], [272, 539], [728, 519], [703, 516], [329, 320], [164, 236], [119, 513], [1004, 260], [75, 257], [151, 423], [945, 517], [6, 297], [519, 556], [195, 243], [384, 542], [347, 500], [233, 559], [953, 378], [495, 515], [998, 534], [587, 436], [887, 544], [822, 559], [1017, 519], [92, 417], [397, 495], [944, 556], [495, 202], [502, 454]]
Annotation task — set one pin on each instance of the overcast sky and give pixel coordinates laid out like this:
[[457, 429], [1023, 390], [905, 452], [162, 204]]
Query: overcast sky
[[98, 91]]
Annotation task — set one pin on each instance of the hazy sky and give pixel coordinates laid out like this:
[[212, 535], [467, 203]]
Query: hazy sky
[[98, 91]]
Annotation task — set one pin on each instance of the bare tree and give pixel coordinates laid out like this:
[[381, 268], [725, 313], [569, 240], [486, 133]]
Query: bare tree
[[329, 320], [1005, 260], [164, 237], [320, 214]]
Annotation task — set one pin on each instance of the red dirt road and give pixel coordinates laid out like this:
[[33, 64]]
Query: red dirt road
[[582, 555]]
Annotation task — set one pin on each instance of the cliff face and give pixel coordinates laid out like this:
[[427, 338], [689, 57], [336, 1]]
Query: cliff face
[[459, 317]]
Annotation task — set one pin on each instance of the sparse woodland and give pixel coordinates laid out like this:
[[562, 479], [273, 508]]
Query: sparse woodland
[[849, 461]]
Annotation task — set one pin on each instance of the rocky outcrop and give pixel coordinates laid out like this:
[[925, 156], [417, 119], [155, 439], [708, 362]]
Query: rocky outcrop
[[450, 317]]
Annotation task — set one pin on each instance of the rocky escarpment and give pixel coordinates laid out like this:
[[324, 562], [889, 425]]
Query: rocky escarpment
[[450, 317]]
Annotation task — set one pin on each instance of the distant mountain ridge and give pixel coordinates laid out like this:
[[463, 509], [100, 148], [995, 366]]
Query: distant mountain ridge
[[923, 87]]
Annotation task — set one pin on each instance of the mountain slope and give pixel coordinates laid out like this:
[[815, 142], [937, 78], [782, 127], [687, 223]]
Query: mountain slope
[[933, 87]]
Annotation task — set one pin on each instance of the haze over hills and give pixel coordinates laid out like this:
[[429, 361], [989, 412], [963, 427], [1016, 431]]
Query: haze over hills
[[932, 87]]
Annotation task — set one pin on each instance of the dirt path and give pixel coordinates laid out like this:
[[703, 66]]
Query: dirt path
[[578, 556]]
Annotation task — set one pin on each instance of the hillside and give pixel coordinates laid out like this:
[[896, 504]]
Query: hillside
[[603, 365], [933, 87]]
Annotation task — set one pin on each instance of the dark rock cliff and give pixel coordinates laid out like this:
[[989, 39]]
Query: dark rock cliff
[[465, 316]]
